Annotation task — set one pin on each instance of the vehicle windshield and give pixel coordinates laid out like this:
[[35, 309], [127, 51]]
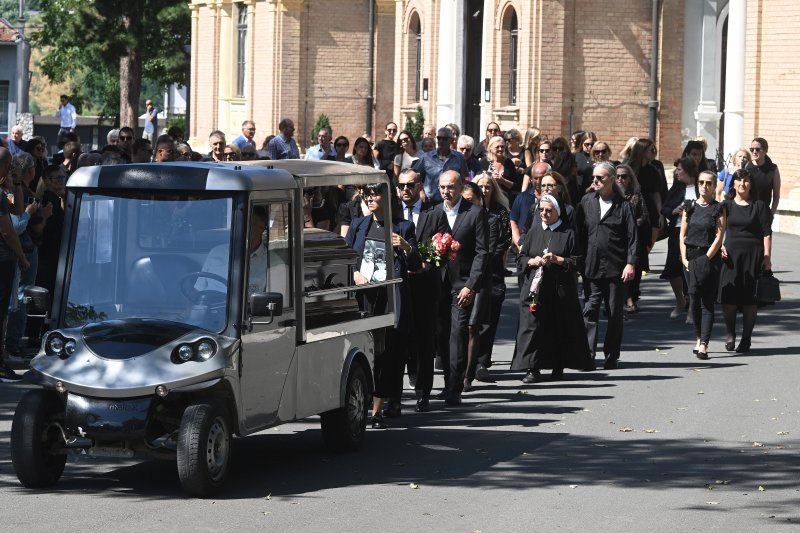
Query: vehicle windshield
[[148, 256]]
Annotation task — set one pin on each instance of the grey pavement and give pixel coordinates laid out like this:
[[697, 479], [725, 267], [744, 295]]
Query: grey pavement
[[665, 443]]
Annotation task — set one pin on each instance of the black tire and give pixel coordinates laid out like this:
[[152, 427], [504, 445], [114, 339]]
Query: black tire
[[204, 448], [343, 429], [38, 451]]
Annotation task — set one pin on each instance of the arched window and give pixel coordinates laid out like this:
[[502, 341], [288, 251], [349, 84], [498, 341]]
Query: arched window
[[415, 58], [241, 48], [512, 42]]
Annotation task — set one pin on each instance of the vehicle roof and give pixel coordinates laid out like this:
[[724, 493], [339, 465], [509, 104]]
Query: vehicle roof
[[238, 176], [182, 176]]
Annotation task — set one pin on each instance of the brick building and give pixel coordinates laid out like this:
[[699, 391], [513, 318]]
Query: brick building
[[727, 69]]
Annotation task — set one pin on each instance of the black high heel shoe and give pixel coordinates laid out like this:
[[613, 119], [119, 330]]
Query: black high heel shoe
[[744, 346], [704, 353], [730, 343]]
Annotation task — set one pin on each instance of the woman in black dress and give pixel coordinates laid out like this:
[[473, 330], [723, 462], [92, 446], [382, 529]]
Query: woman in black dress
[[551, 330], [745, 252], [702, 230], [629, 185], [764, 174]]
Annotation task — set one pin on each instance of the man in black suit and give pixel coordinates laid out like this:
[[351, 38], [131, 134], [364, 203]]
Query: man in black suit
[[426, 286], [607, 231], [464, 276]]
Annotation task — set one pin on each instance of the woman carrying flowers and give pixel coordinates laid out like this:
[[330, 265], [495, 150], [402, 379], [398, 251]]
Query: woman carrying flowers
[[551, 332]]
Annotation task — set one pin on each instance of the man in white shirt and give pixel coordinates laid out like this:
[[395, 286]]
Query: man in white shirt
[[150, 121], [324, 149], [67, 116]]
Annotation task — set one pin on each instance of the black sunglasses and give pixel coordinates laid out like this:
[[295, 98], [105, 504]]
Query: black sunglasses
[[409, 185]]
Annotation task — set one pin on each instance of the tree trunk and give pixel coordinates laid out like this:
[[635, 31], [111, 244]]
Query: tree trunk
[[130, 85]]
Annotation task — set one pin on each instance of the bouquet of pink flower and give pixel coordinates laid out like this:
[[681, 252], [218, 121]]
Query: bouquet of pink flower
[[441, 246]]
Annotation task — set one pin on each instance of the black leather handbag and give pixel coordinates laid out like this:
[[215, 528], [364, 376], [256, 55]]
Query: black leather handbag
[[768, 289]]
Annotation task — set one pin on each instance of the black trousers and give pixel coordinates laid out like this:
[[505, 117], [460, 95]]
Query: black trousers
[[7, 270], [488, 331], [387, 367], [613, 291], [425, 294], [702, 301], [455, 368]]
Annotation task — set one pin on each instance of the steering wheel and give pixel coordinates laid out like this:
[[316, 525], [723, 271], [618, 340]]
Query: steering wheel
[[215, 300]]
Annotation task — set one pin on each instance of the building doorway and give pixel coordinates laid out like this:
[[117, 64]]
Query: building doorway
[[473, 80]]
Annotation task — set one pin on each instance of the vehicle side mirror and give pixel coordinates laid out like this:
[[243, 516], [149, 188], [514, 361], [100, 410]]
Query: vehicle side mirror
[[266, 304], [36, 301]]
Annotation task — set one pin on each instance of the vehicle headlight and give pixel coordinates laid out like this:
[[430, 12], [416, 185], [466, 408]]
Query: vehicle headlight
[[206, 350], [70, 346], [55, 344], [185, 352]]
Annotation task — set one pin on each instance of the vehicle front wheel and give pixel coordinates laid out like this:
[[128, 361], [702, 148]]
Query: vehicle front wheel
[[343, 429], [38, 451], [204, 448]]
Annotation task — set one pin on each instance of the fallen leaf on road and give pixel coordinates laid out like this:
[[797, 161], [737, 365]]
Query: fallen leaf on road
[[758, 445], [761, 488], [573, 486], [721, 482], [626, 430], [695, 370], [268, 496], [681, 408], [413, 486], [700, 392], [712, 503], [600, 445], [658, 349], [783, 433], [265, 513], [522, 392], [651, 431]]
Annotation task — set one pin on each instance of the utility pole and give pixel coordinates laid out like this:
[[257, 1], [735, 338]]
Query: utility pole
[[23, 61]]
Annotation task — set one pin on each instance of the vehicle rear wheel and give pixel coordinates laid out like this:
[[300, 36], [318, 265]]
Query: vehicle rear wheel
[[343, 429], [38, 451], [204, 448]]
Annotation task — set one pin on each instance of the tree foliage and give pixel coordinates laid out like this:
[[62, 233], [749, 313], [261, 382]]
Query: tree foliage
[[415, 124], [106, 47], [322, 122]]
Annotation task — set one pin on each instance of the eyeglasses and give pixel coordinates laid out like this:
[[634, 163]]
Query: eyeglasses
[[545, 150], [341, 145], [125, 138], [755, 149], [705, 183], [545, 211], [493, 130], [622, 176], [589, 144], [409, 185], [371, 196], [599, 178], [598, 152], [549, 185], [229, 155], [391, 130], [403, 139]]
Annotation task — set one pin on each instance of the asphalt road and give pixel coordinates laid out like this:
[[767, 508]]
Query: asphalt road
[[665, 443]]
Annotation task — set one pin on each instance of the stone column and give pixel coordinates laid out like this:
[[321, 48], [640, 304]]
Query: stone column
[[707, 114], [734, 76], [450, 63]]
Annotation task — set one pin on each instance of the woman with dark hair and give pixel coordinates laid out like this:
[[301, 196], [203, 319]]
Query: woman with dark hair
[[583, 151], [746, 251], [696, 151], [341, 145], [683, 189], [628, 184], [559, 145], [366, 237], [551, 332], [575, 141], [764, 174], [406, 152], [702, 229], [642, 160], [38, 150], [362, 154], [555, 185], [566, 165]]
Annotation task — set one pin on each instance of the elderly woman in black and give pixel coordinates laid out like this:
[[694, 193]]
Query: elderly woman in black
[[366, 237], [702, 229], [746, 251], [551, 330], [683, 189]]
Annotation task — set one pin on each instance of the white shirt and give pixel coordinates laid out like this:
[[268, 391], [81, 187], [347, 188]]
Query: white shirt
[[315, 153], [605, 205], [690, 194], [452, 213], [67, 114], [416, 207], [553, 226]]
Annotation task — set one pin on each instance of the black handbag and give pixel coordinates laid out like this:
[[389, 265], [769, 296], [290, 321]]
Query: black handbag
[[768, 289]]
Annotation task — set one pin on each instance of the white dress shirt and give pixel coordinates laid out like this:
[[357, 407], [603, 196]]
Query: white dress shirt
[[452, 213], [416, 207]]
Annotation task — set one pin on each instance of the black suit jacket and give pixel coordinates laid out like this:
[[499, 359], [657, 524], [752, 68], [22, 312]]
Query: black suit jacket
[[430, 222], [610, 242], [471, 230]]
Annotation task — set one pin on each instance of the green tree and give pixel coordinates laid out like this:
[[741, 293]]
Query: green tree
[[322, 122], [415, 124], [107, 47]]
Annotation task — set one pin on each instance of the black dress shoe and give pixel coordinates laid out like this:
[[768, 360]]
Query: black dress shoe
[[392, 411], [557, 375], [744, 346], [610, 364], [529, 378], [730, 343], [482, 373], [441, 396], [423, 405], [467, 385], [378, 423], [453, 401]]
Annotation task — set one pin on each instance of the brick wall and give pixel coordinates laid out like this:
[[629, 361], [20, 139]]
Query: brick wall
[[772, 75]]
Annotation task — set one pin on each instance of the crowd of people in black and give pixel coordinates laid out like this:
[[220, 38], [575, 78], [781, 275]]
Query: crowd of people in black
[[572, 223]]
